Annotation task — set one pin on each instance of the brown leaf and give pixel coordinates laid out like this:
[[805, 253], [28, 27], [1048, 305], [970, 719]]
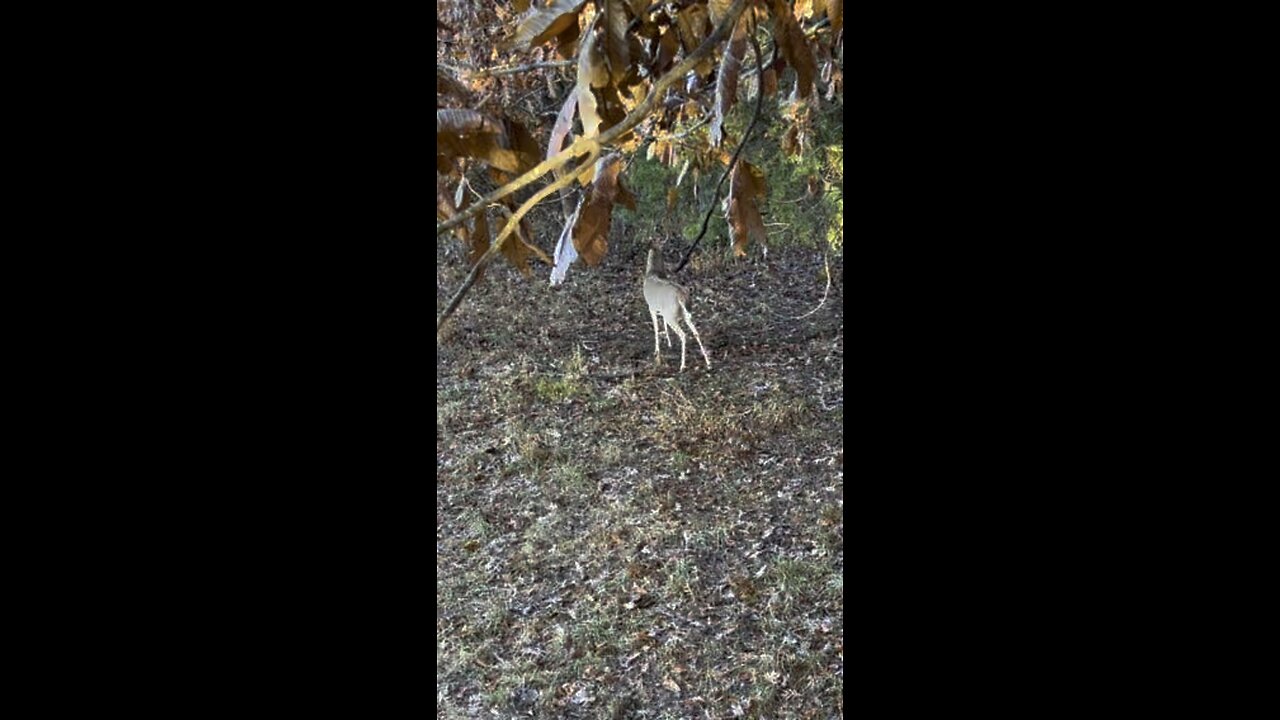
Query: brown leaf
[[591, 73], [449, 86], [795, 47], [479, 239], [668, 44], [523, 142], [717, 10], [465, 122], [769, 82], [541, 24], [591, 234], [567, 42], [467, 133], [520, 5], [670, 684], [672, 194], [617, 50], [790, 141], [741, 212], [754, 179], [445, 208], [835, 11], [727, 79], [625, 198], [694, 28], [612, 109], [517, 253]]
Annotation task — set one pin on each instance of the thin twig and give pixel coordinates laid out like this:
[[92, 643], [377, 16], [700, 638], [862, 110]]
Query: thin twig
[[475, 72], [827, 266], [506, 212], [715, 196], [496, 246]]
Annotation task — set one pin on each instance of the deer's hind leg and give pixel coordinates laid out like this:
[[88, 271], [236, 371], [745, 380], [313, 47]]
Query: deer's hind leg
[[674, 325], [685, 314], [657, 346]]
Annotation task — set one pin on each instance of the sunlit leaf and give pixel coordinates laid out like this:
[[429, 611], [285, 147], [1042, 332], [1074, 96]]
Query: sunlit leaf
[[591, 234], [794, 45], [540, 24]]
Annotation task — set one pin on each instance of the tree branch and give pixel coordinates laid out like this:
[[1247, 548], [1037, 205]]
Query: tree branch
[[633, 118], [512, 222], [509, 70]]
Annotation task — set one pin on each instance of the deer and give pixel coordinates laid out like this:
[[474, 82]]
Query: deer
[[671, 301]]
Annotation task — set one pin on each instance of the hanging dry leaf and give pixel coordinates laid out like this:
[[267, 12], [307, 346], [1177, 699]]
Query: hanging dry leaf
[[543, 23], [769, 82], [591, 234], [741, 211], [835, 11], [694, 28], [794, 45], [625, 198], [468, 133], [668, 44], [717, 10], [791, 141], [479, 239], [617, 49], [727, 79], [567, 42]]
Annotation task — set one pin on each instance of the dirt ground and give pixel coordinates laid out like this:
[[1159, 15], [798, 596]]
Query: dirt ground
[[615, 540]]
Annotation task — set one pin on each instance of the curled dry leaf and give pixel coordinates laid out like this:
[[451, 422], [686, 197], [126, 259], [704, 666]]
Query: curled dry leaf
[[694, 28], [727, 79], [742, 213], [794, 45], [591, 234], [542, 23], [617, 49], [468, 133], [668, 44]]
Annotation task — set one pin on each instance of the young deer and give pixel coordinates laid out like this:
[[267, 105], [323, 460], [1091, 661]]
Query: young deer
[[669, 300]]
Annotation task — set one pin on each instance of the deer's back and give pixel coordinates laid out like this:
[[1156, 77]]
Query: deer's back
[[664, 295]]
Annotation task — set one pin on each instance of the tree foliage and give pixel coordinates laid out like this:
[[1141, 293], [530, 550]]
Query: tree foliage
[[572, 88]]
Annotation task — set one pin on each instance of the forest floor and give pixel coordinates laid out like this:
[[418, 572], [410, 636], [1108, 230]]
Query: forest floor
[[615, 540]]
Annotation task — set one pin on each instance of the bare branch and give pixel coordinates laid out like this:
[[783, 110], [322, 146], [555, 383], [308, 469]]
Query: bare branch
[[475, 72], [512, 221]]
